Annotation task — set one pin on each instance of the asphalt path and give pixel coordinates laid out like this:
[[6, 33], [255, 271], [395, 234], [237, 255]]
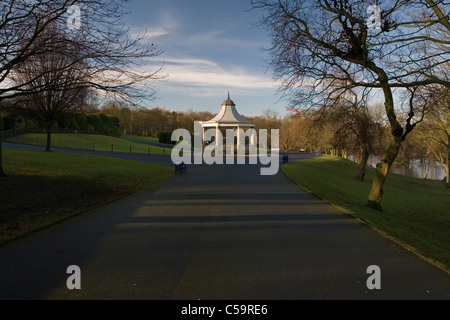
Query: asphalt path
[[217, 232], [164, 160]]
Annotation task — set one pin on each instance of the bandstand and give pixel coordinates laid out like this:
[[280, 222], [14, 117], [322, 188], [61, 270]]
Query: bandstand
[[228, 118]]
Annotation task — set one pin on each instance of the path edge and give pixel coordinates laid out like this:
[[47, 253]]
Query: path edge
[[380, 232]]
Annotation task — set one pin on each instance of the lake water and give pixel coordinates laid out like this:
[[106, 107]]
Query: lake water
[[415, 168]]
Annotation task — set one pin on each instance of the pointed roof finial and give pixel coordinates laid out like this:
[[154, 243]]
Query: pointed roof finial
[[229, 102]]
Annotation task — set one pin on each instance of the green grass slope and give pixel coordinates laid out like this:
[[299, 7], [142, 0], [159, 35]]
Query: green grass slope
[[45, 187], [415, 212]]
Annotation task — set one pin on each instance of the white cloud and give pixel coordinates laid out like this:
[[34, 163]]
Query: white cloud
[[219, 77], [148, 35], [165, 25], [183, 61], [203, 74]]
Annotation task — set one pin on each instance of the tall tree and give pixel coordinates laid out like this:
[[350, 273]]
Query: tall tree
[[21, 27], [316, 42], [55, 83]]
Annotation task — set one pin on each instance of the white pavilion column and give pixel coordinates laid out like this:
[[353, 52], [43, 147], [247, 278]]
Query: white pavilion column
[[238, 137], [203, 134], [217, 134]]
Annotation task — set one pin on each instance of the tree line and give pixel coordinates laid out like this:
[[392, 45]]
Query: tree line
[[350, 127], [151, 121], [79, 122], [363, 132]]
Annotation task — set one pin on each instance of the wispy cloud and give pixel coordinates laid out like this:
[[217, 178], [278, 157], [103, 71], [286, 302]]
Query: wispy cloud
[[148, 35], [165, 25], [202, 74], [167, 60]]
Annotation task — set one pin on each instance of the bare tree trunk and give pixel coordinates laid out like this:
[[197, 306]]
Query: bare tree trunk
[[426, 167], [363, 165], [376, 193], [49, 138], [388, 158]]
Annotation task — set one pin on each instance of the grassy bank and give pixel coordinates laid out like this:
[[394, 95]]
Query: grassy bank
[[88, 142], [42, 187], [415, 212]]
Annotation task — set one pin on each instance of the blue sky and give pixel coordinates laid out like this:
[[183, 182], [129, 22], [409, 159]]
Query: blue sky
[[210, 47]]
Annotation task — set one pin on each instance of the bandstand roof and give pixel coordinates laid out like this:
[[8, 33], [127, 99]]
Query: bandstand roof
[[228, 116]]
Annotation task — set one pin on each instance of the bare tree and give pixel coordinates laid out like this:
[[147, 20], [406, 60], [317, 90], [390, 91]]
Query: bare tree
[[114, 62], [355, 123], [318, 42], [435, 131], [54, 84], [20, 27]]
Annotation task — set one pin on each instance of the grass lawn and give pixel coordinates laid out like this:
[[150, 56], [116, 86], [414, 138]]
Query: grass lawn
[[88, 142], [45, 187], [415, 211]]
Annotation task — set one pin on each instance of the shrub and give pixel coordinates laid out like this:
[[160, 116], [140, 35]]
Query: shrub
[[73, 124], [165, 137], [96, 122], [81, 120]]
